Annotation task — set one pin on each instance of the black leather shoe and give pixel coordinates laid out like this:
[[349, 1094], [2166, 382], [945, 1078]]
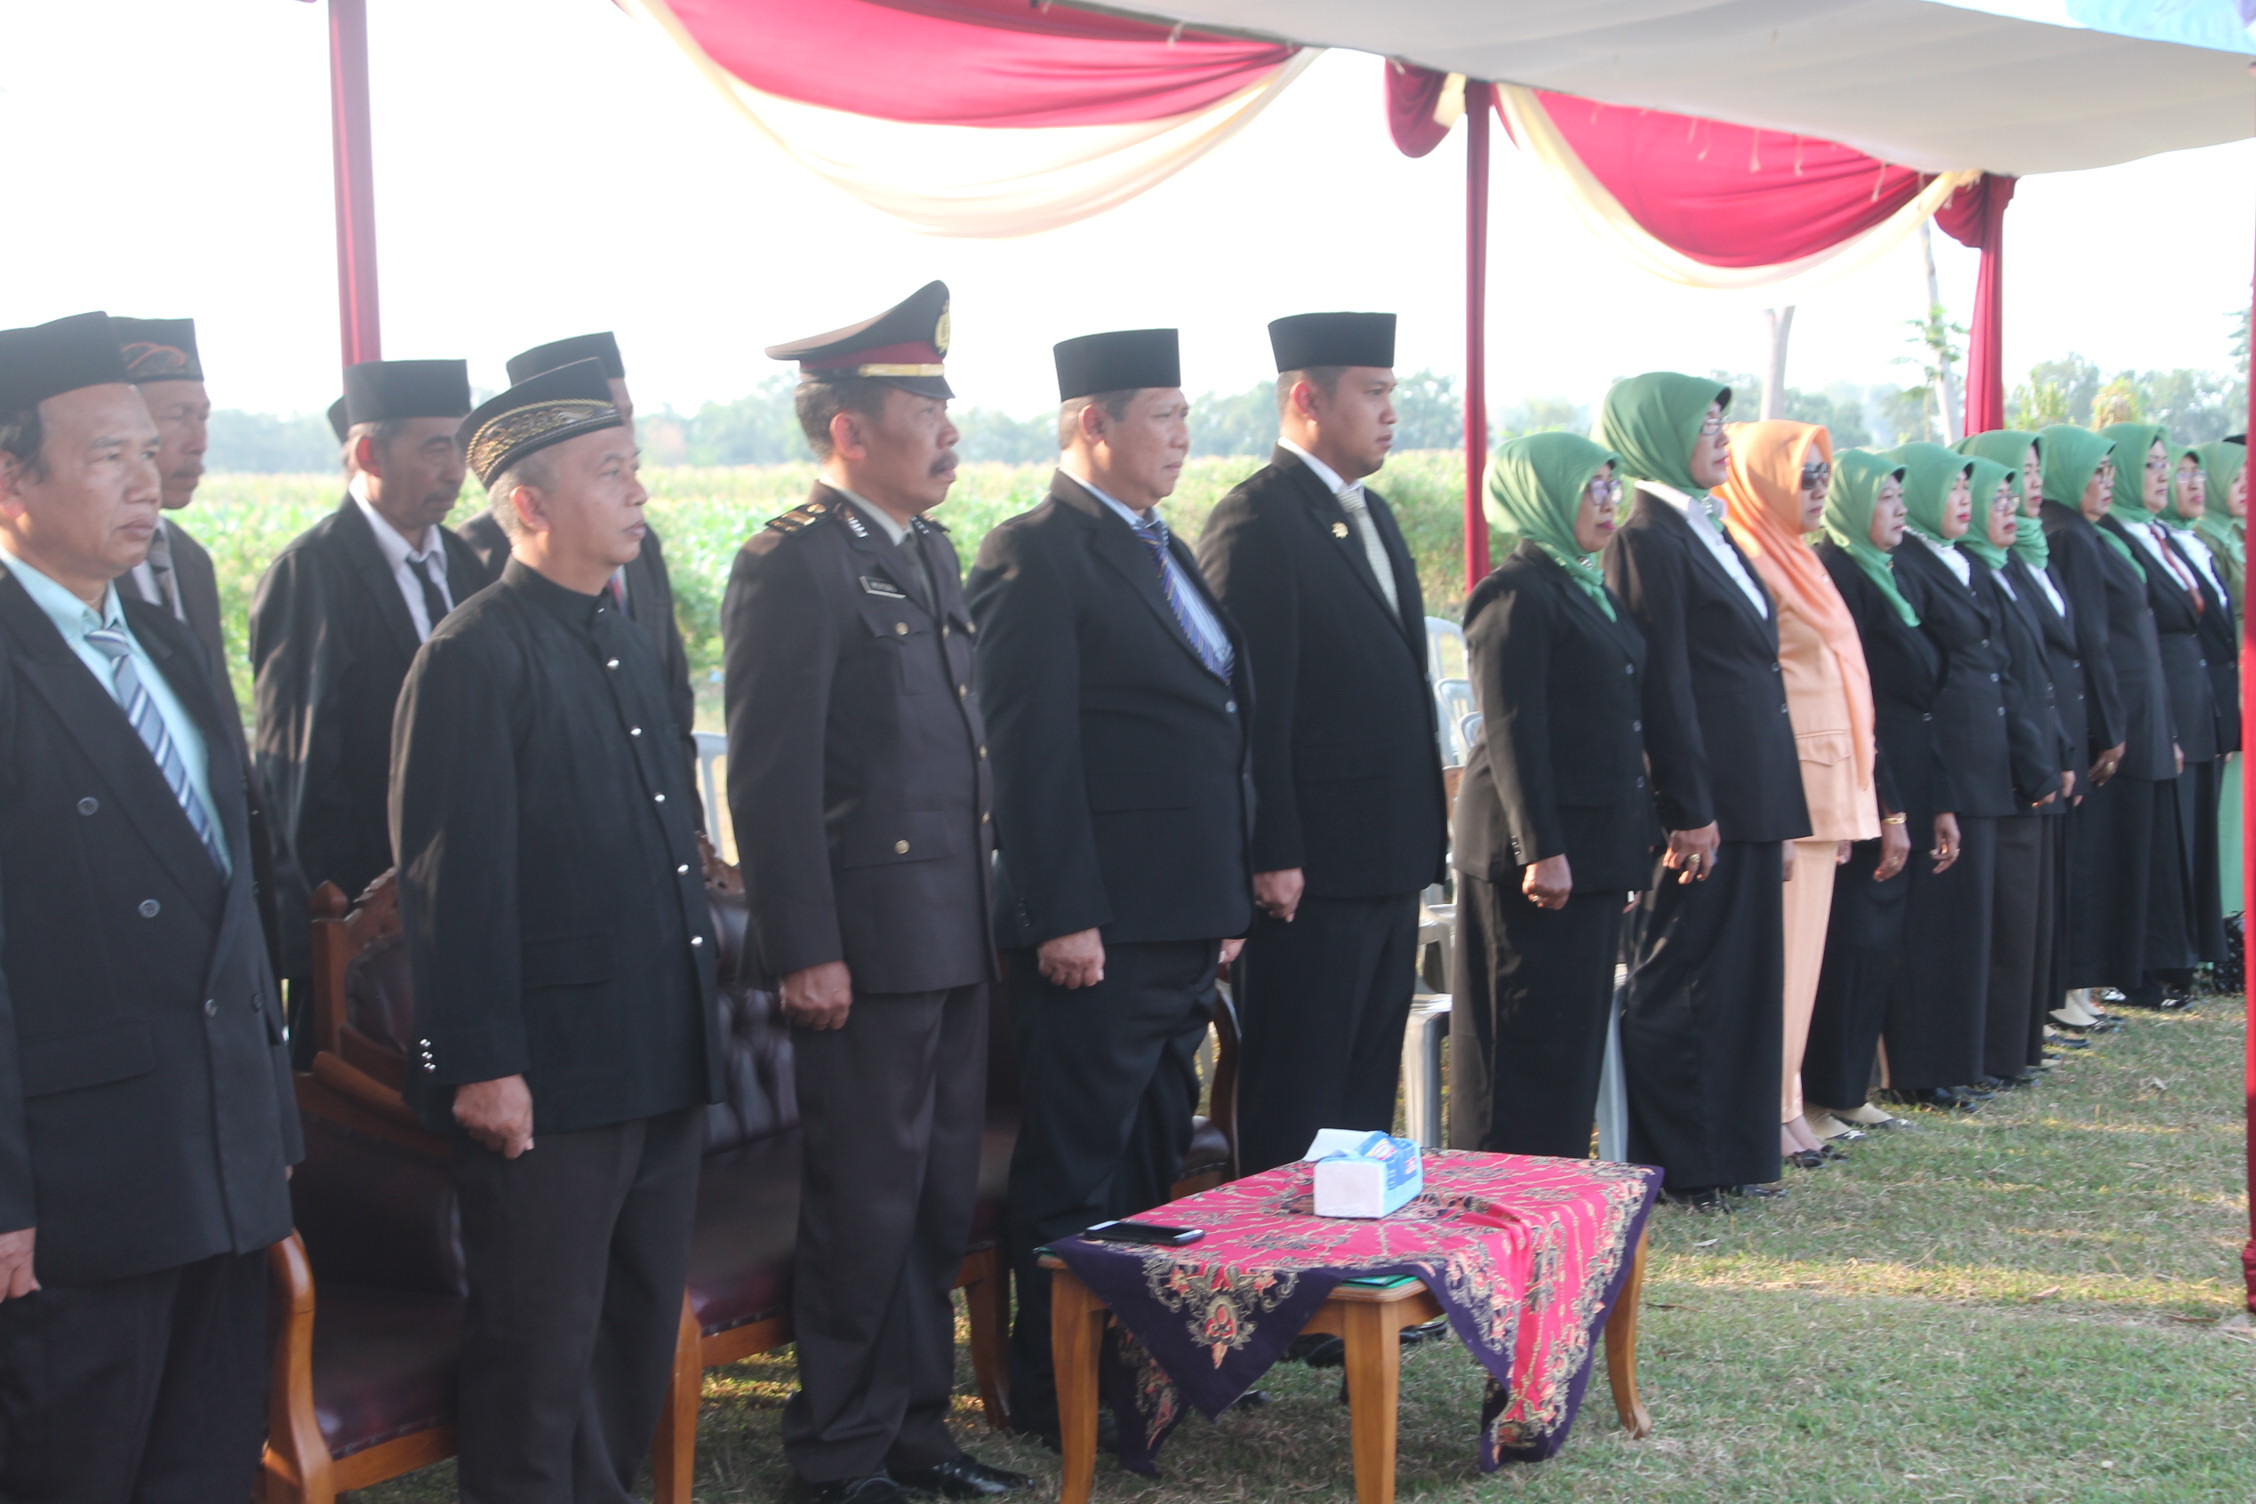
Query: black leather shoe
[[878, 1488], [1697, 1198], [1939, 1098], [1759, 1192], [1806, 1159], [961, 1478]]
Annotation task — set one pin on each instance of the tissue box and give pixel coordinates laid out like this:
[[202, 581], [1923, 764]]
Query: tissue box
[[1364, 1174]]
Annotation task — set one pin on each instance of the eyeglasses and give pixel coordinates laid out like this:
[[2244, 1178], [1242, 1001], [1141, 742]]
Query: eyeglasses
[[1814, 476], [1712, 426], [1603, 491]]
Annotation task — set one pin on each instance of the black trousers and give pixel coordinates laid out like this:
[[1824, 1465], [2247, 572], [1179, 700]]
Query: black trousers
[[2110, 837], [144, 1390], [1863, 947], [2017, 924], [1527, 1029], [1939, 1000], [2047, 989], [2203, 793], [576, 1252], [891, 1108], [1108, 1078], [1703, 1029], [1321, 1005], [2170, 945]]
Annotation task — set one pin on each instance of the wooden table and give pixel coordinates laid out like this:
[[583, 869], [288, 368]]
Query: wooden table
[[1369, 1319]]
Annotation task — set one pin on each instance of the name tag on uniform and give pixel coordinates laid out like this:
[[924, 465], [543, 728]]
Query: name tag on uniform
[[886, 588]]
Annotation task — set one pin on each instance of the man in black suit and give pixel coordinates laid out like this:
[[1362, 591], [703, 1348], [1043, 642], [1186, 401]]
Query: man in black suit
[[642, 588], [1348, 811], [859, 788], [1702, 1030], [563, 957], [162, 360], [341, 611], [1116, 694], [146, 1117]]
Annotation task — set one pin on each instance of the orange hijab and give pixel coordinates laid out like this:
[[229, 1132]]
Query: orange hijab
[[1763, 501]]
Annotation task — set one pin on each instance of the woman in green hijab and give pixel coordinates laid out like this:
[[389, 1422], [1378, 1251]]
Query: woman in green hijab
[[1554, 824], [1864, 525], [2223, 528], [1700, 1028], [2220, 655], [2185, 915], [2112, 827]]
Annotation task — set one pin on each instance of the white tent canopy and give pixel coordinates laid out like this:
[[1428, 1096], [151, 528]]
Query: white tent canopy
[[1929, 86]]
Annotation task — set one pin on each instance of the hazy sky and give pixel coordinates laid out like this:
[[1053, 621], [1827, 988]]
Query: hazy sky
[[546, 167]]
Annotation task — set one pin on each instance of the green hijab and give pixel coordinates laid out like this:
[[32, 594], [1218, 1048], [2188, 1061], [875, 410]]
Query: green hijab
[[1976, 539], [2179, 454], [2219, 528], [1653, 421], [2010, 447], [1930, 472], [1858, 475], [1535, 487], [2071, 459], [2132, 441]]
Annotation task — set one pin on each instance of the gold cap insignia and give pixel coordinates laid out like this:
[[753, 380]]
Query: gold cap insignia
[[1339, 529]]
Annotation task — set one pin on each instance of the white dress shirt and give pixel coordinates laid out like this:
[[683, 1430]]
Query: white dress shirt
[[1187, 590], [1703, 521], [148, 587], [398, 551], [2052, 591], [1358, 509], [1952, 559]]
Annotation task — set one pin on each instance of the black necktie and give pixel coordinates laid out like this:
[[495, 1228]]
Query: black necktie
[[920, 577], [434, 604]]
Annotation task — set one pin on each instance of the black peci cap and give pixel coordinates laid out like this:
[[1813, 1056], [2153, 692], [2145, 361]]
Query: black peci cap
[[564, 352], [339, 424], [1306, 340], [379, 391], [47, 360], [550, 408], [158, 349], [905, 346], [1124, 360]]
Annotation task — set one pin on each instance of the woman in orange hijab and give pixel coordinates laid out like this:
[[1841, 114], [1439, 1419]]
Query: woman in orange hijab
[[1775, 497]]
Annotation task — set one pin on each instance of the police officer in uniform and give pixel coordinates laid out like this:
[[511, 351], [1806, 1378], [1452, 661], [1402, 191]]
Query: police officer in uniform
[[858, 785], [643, 590], [146, 1115]]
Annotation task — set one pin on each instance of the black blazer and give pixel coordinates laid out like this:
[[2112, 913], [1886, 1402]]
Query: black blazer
[[1346, 770], [1718, 743], [330, 644], [650, 606], [1973, 740], [1907, 674], [549, 880], [1560, 766], [2064, 663], [2177, 637], [861, 800], [146, 1111], [2114, 624], [2033, 737], [1123, 768], [2220, 644]]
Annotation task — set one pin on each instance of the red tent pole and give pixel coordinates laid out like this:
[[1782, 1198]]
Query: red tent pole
[[1985, 355], [1477, 102], [355, 181], [2248, 866]]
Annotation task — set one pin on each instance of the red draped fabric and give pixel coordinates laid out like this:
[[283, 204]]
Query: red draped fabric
[[973, 62], [1413, 93], [1975, 217]]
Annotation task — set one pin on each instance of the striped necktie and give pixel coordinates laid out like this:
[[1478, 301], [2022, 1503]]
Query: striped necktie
[[1154, 534], [149, 723], [1358, 509]]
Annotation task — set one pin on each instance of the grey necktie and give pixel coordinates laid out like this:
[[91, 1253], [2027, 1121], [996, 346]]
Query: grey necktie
[[160, 570], [1359, 513], [142, 711]]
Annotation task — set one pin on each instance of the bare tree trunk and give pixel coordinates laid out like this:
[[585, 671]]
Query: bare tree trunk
[[1781, 325], [1948, 396]]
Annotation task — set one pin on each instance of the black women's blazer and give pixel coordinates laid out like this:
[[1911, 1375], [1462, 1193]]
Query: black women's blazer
[[1973, 745], [146, 1111], [2032, 727], [1123, 770], [2177, 637], [2220, 646], [2064, 663], [1560, 766], [2107, 602], [1346, 772], [1907, 674], [1718, 744]]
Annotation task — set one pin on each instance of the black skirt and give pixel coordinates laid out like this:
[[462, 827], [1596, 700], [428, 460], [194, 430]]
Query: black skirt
[[1862, 950], [2110, 877], [2170, 890], [2019, 926], [1937, 1005]]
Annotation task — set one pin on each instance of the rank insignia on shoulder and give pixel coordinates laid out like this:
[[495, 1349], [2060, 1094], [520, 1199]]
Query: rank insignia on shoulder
[[853, 522], [925, 524], [800, 517], [885, 588], [1339, 529]]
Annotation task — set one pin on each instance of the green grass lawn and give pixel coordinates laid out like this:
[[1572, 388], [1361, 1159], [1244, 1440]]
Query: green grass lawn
[[2039, 1302]]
